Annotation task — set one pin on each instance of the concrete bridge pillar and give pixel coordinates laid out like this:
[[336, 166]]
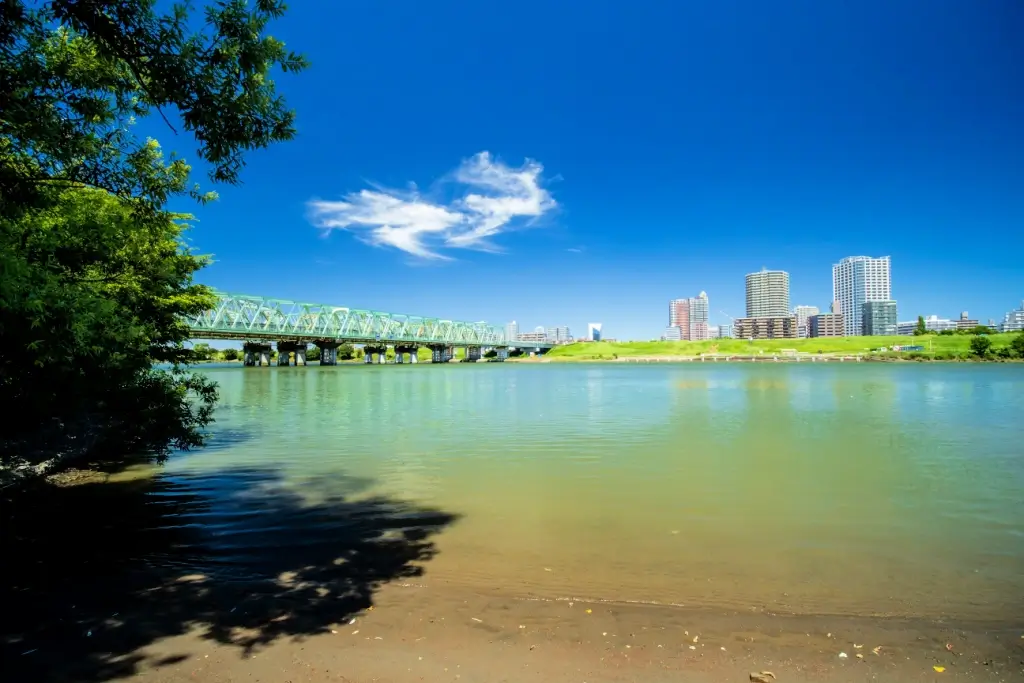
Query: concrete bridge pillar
[[254, 353], [502, 354], [472, 354], [300, 355], [328, 352], [367, 357], [284, 358]]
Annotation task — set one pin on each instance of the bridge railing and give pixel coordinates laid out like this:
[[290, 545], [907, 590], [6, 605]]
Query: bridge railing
[[240, 316]]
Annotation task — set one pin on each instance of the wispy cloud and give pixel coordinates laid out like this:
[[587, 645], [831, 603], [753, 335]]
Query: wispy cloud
[[575, 250], [494, 198]]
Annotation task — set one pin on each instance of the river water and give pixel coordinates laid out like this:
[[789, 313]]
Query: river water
[[854, 489]]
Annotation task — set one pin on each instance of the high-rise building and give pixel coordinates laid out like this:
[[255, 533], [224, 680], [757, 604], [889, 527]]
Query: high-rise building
[[512, 331], [878, 318], [802, 314], [594, 331], [768, 294], [856, 279], [690, 316]]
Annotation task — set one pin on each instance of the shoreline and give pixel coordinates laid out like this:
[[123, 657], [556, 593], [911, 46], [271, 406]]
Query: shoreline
[[418, 631]]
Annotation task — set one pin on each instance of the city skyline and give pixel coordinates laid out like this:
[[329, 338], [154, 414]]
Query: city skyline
[[604, 202]]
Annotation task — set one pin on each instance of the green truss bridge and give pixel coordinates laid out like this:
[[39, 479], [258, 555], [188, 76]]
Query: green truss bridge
[[257, 321]]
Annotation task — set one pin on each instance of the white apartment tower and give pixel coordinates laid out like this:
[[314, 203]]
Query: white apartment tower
[[512, 331], [768, 294], [856, 279]]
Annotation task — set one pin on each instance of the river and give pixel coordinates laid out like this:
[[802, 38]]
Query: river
[[828, 489]]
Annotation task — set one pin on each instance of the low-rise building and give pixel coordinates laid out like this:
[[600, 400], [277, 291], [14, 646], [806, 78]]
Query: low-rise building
[[1013, 321], [932, 323], [774, 327], [878, 318], [802, 314], [826, 325], [672, 333], [534, 337], [965, 323]]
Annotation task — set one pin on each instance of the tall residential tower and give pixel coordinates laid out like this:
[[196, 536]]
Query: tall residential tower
[[690, 316], [768, 294], [856, 279]]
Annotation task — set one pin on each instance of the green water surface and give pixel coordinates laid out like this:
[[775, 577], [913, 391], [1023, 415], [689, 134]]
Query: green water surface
[[857, 488]]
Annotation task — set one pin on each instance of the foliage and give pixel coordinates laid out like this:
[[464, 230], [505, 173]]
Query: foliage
[[358, 354], [76, 75], [313, 353], [94, 277], [980, 345], [202, 351], [92, 295], [231, 354], [1017, 344], [346, 352], [921, 328], [492, 353]]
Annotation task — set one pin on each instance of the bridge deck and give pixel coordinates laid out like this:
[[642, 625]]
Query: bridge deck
[[254, 318]]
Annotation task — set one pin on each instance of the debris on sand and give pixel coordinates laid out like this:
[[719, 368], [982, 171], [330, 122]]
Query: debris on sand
[[762, 677]]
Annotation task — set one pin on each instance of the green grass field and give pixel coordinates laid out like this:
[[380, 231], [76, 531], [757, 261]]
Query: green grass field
[[939, 345]]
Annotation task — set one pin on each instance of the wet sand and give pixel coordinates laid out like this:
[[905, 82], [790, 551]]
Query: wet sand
[[417, 632]]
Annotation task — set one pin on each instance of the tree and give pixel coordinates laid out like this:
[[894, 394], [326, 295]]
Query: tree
[[313, 353], [346, 352], [921, 327], [980, 345], [491, 353], [76, 75], [202, 351], [93, 295], [95, 274], [232, 354], [1017, 344]]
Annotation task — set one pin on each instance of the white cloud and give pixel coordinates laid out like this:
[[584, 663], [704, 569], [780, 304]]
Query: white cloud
[[494, 198]]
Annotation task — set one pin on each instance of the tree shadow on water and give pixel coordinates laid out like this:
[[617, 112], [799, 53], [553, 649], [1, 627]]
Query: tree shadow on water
[[93, 573]]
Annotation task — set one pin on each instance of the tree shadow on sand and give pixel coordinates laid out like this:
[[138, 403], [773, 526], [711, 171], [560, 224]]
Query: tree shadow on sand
[[94, 572]]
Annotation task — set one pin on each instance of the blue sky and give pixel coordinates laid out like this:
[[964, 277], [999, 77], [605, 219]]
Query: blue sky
[[563, 163]]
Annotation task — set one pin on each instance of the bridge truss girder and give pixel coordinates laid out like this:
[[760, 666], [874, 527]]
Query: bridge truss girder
[[239, 316]]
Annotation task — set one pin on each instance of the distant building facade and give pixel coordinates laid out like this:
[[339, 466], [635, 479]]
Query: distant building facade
[[690, 316], [559, 335], [802, 313], [932, 323], [672, 333], [512, 331], [765, 327], [534, 337], [1013, 321], [878, 318], [594, 331], [826, 325], [965, 323], [768, 294], [855, 280]]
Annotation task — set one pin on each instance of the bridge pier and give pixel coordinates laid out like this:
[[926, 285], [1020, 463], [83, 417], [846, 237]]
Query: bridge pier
[[328, 352], [254, 353], [371, 350], [441, 353], [472, 354], [402, 349], [286, 348]]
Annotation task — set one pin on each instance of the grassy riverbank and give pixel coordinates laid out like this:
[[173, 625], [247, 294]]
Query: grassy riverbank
[[937, 346]]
